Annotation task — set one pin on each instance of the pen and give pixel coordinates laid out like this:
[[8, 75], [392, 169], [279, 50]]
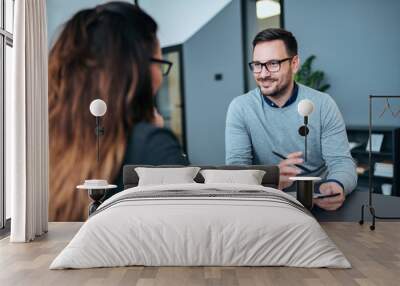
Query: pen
[[298, 166]]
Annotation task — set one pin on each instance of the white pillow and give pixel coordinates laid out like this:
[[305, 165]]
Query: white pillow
[[248, 177], [164, 176]]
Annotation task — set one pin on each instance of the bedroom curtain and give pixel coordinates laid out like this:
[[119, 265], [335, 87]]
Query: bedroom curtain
[[27, 123]]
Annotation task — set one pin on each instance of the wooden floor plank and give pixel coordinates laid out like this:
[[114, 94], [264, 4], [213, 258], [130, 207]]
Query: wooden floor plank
[[374, 255]]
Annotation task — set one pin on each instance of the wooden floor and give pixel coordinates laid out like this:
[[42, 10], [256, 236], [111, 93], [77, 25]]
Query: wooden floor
[[375, 257]]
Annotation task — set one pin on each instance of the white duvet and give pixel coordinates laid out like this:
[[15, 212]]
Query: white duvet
[[183, 231]]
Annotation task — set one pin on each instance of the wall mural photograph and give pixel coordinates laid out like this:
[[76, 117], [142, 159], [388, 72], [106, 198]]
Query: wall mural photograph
[[165, 134]]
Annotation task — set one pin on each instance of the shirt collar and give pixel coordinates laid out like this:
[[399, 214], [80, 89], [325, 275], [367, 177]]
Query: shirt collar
[[291, 99]]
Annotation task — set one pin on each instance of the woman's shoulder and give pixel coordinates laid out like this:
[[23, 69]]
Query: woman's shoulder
[[145, 131], [154, 145]]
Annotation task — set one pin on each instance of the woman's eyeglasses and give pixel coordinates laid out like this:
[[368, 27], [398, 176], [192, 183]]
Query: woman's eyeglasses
[[165, 65]]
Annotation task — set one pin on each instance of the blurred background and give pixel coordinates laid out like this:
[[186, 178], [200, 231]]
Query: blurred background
[[348, 49], [355, 44]]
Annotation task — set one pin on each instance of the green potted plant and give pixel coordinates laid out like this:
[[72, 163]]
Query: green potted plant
[[310, 78]]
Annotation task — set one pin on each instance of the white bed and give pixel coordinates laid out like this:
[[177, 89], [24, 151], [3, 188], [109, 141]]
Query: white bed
[[223, 225]]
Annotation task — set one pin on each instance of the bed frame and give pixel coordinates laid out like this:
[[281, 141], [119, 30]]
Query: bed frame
[[270, 179]]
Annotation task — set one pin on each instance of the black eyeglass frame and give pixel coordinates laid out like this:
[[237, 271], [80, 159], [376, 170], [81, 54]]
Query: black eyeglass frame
[[163, 62], [266, 63]]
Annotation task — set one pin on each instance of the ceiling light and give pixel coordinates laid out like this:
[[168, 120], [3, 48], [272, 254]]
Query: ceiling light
[[267, 8]]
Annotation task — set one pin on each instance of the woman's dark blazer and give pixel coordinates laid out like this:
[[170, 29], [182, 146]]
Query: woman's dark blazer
[[150, 145]]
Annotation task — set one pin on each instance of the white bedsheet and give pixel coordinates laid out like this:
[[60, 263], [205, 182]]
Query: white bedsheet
[[200, 231]]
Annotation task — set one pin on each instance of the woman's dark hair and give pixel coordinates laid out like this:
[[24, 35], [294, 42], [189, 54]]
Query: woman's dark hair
[[278, 34], [104, 53]]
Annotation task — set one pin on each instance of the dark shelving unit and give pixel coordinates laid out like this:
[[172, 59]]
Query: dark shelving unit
[[389, 153]]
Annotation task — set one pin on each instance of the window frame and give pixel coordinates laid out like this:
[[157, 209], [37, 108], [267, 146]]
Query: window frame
[[6, 39], [179, 50]]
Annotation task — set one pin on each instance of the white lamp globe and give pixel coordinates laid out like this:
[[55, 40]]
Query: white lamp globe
[[305, 107], [98, 107]]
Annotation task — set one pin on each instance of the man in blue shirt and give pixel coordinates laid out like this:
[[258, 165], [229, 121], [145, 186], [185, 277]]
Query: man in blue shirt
[[266, 119]]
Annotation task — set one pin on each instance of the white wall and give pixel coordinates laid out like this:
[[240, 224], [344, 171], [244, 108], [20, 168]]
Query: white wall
[[178, 20]]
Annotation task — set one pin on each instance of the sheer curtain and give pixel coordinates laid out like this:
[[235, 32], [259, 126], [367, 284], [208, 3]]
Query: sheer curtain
[[27, 124]]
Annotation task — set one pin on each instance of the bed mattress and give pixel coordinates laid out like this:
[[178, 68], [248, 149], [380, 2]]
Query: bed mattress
[[201, 225]]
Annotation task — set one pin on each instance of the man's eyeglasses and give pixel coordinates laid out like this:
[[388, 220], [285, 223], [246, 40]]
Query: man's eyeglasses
[[271, 66], [165, 65]]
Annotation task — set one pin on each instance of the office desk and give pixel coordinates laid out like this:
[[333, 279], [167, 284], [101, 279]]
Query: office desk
[[351, 209]]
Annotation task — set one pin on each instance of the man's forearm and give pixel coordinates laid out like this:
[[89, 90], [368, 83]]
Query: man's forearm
[[345, 173]]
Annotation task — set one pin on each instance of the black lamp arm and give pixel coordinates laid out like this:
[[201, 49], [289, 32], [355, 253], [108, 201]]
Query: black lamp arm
[[99, 132]]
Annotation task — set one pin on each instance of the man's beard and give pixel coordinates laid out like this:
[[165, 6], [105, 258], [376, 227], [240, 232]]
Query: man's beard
[[278, 92]]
